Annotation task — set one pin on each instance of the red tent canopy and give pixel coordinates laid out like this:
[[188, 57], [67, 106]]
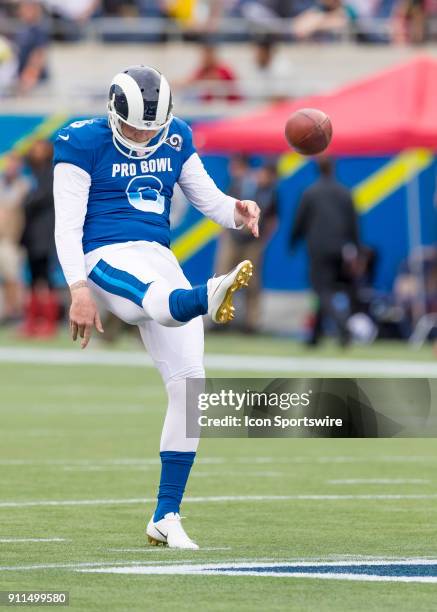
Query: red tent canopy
[[393, 110]]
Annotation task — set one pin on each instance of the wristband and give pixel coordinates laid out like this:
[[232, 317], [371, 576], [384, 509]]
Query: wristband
[[79, 285]]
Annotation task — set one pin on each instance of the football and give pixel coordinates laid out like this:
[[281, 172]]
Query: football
[[308, 131]]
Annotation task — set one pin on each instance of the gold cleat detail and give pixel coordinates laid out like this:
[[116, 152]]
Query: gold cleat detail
[[226, 311], [154, 542]]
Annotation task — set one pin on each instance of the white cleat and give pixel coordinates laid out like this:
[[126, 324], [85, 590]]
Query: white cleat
[[169, 532], [222, 288]]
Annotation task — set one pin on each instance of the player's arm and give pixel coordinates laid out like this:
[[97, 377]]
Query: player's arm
[[201, 190], [71, 187]]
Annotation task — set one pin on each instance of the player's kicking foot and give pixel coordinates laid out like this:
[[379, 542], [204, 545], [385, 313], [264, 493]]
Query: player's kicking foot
[[222, 288], [169, 532]]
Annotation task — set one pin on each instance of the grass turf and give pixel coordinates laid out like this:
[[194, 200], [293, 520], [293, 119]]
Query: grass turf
[[89, 433]]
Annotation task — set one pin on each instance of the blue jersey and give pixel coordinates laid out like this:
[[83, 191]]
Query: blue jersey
[[129, 199]]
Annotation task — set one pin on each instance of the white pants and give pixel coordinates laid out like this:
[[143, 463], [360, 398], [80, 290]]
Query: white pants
[[177, 352]]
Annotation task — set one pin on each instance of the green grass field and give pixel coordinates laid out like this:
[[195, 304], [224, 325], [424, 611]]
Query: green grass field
[[74, 433]]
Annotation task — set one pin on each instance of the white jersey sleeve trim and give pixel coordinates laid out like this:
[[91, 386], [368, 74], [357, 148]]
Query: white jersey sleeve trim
[[204, 194], [71, 188]]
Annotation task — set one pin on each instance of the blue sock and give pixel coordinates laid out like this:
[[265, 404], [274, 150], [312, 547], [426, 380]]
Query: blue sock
[[185, 304], [175, 470]]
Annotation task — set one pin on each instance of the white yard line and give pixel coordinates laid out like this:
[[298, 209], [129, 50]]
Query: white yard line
[[237, 363], [79, 564], [158, 549], [73, 566], [107, 468], [378, 481], [128, 462], [26, 540], [138, 463], [214, 499], [263, 474]]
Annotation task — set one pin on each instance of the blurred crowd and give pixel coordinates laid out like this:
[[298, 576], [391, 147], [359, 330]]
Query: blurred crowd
[[27, 27], [27, 249], [294, 19]]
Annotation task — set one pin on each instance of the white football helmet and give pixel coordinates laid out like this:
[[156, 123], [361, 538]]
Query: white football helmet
[[140, 97]]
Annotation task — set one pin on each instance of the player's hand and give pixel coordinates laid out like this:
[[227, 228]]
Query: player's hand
[[247, 213], [83, 315]]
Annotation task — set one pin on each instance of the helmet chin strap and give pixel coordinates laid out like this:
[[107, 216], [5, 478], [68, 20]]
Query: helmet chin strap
[[135, 150], [134, 153]]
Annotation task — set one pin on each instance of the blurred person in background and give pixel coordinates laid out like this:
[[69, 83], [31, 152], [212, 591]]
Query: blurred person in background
[[326, 219], [7, 8], [152, 13], [236, 244], [182, 11], [42, 309], [411, 20], [13, 190], [267, 11], [70, 16], [415, 287], [113, 8], [154, 10], [327, 17], [372, 19], [31, 41], [8, 66], [274, 16], [213, 80], [269, 77], [242, 180]]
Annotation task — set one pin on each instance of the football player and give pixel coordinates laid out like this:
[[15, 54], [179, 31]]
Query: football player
[[113, 184]]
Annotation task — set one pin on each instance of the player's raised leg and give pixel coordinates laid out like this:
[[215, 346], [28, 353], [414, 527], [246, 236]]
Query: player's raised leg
[[148, 281]]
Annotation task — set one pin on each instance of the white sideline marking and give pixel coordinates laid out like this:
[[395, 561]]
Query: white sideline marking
[[208, 569], [383, 481], [338, 559], [212, 499], [20, 540], [248, 363]]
